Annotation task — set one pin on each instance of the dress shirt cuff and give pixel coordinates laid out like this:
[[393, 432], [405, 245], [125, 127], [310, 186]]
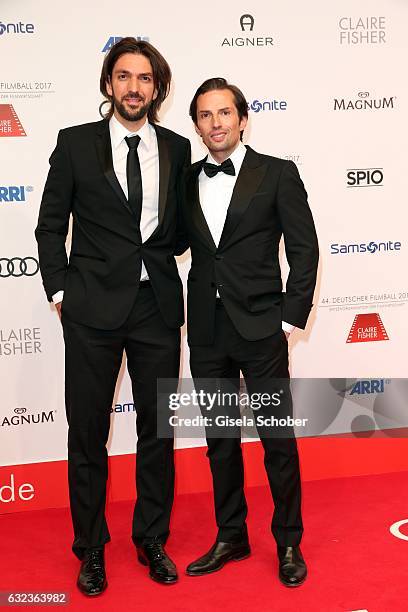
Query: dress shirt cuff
[[58, 297], [287, 327]]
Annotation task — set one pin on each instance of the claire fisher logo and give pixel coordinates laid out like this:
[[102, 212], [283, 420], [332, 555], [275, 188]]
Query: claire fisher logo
[[362, 30], [363, 102], [10, 124], [367, 327], [247, 24], [16, 28], [20, 341]]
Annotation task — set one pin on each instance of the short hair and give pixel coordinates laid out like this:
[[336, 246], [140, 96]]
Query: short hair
[[220, 83], [161, 73]]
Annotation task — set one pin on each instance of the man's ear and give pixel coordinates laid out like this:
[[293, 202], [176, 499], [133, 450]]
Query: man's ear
[[109, 88], [197, 130]]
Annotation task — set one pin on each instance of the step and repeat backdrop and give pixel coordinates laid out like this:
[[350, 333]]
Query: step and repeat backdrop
[[325, 87]]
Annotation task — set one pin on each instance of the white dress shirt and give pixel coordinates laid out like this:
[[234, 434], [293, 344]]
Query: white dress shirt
[[148, 153], [215, 196]]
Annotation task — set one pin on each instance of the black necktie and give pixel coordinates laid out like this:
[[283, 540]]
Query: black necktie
[[134, 177], [212, 169]]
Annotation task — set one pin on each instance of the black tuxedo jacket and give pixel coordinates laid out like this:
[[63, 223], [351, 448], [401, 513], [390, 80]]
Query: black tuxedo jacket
[[268, 200], [101, 278]]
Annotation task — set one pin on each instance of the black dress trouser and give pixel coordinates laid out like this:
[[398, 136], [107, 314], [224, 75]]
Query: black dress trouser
[[92, 361], [264, 364]]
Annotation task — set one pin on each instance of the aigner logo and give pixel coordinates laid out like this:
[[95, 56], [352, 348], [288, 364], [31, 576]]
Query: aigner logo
[[247, 23], [18, 266]]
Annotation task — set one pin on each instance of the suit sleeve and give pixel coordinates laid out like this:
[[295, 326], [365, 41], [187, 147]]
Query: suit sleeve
[[53, 219], [182, 242], [301, 246]]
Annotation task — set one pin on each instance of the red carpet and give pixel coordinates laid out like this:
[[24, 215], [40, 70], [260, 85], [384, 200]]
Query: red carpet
[[354, 562]]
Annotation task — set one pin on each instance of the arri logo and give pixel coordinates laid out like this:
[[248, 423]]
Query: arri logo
[[370, 386], [365, 177], [14, 193], [364, 102], [114, 39], [247, 24], [16, 28], [10, 124], [268, 105], [364, 247], [367, 327]]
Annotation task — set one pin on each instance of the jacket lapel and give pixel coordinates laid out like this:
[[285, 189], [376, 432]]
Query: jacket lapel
[[104, 150], [193, 196], [164, 170], [252, 172]]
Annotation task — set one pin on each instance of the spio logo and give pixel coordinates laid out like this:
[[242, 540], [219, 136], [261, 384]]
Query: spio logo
[[268, 105], [364, 247], [365, 177], [16, 28], [18, 266], [112, 40], [14, 193], [246, 22]]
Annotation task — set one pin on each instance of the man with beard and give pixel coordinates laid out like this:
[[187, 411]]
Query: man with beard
[[119, 290]]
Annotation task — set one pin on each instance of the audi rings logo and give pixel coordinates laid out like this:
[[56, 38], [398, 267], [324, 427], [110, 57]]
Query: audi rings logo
[[20, 410], [18, 266]]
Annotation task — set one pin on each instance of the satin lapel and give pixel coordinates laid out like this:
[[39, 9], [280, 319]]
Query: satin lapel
[[164, 171], [193, 198], [252, 172], [104, 150]]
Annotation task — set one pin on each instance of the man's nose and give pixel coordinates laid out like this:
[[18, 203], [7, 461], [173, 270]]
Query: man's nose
[[134, 84]]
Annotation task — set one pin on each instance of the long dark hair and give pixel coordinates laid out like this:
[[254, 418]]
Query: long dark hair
[[161, 73]]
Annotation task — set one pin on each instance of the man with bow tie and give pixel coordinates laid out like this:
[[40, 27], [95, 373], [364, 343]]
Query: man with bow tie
[[120, 179], [238, 205]]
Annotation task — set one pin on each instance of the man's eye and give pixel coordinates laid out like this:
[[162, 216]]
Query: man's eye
[[122, 77], [226, 112], [146, 78]]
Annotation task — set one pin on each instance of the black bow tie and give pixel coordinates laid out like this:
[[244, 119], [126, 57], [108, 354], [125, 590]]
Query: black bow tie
[[212, 169]]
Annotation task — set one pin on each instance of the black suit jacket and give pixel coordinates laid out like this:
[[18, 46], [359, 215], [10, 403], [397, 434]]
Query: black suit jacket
[[101, 278], [268, 200]]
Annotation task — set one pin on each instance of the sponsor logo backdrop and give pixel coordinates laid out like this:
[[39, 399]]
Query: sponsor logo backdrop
[[325, 88]]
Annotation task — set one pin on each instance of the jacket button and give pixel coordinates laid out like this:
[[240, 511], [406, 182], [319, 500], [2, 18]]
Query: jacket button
[[212, 285], [219, 257]]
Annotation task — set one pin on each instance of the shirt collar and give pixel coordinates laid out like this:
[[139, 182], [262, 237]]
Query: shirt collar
[[237, 157], [118, 132]]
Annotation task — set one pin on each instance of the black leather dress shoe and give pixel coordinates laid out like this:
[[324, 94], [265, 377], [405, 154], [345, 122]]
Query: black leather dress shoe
[[292, 567], [162, 569], [92, 577], [218, 556]]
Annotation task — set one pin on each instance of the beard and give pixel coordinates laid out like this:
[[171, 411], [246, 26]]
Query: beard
[[135, 115]]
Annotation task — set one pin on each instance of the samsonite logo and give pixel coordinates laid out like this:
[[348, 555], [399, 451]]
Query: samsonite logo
[[372, 247]]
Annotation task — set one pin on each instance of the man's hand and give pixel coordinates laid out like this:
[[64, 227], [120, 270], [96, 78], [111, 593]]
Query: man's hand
[[287, 334], [58, 308]]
